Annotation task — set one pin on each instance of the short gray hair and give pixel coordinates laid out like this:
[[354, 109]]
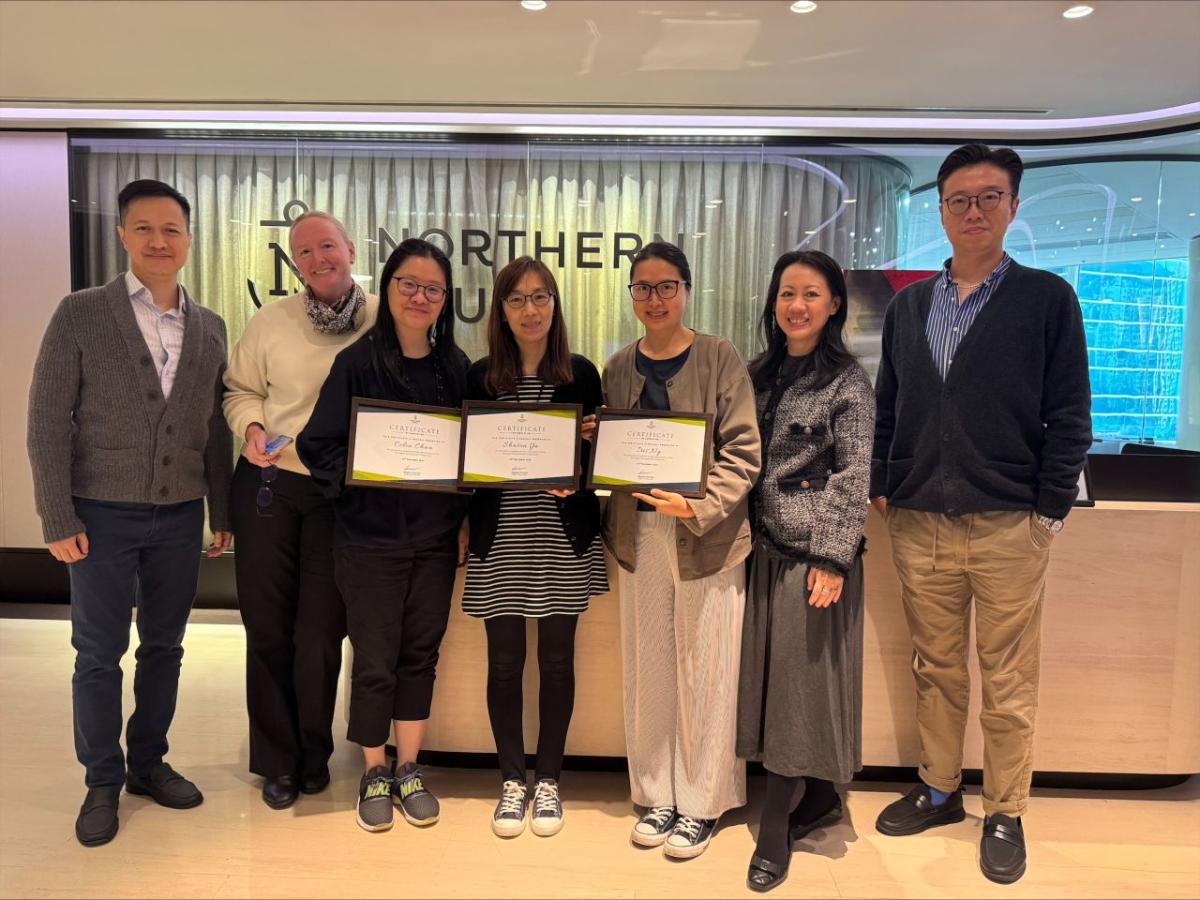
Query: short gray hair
[[318, 214]]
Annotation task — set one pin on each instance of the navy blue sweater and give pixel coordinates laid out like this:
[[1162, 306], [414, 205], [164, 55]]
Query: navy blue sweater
[[1011, 425]]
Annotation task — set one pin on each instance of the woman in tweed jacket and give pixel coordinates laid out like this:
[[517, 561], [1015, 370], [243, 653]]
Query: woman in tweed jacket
[[800, 694]]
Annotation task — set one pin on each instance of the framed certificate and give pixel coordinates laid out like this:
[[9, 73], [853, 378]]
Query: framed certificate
[[403, 445], [640, 449], [526, 446]]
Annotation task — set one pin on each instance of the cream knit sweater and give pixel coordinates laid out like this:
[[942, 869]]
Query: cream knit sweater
[[277, 369]]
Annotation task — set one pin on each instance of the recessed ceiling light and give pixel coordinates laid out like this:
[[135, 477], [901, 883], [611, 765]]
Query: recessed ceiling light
[[1135, 199], [1191, 214], [539, 5], [803, 6], [1078, 12]]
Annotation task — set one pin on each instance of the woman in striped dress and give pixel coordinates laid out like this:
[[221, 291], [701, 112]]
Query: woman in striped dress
[[533, 554]]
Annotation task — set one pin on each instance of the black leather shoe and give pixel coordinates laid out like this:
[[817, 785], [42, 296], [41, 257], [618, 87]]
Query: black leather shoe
[[764, 874], [914, 813], [314, 784], [1002, 849], [165, 786], [281, 792], [802, 828], [97, 823]]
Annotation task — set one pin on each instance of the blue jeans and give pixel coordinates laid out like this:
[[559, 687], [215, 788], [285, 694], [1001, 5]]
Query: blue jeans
[[144, 555]]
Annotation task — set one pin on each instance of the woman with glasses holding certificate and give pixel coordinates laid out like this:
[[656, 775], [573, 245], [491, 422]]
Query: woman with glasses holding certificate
[[533, 554], [395, 551], [682, 582], [293, 613], [800, 703]]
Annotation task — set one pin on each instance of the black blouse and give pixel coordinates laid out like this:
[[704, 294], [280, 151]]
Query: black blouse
[[380, 518]]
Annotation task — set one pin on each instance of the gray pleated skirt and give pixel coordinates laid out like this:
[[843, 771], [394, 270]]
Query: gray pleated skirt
[[800, 692]]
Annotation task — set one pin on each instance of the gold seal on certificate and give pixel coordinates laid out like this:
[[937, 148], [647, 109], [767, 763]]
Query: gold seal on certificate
[[641, 449], [526, 446], [403, 445]]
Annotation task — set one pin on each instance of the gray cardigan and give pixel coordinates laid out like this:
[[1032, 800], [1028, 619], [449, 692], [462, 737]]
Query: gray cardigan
[[811, 501], [99, 427]]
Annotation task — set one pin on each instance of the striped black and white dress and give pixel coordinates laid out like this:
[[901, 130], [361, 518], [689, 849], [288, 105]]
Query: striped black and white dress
[[531, 569]]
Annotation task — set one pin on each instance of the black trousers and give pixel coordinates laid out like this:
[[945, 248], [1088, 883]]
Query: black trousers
[[295, 621], [397, 607], [144, 555], [556, 695]]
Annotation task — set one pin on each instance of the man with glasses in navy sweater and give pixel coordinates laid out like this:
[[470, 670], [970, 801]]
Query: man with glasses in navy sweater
[[983, 424]]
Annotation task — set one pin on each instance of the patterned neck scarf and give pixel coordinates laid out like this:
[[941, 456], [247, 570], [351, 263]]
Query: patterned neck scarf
[[337, 318]]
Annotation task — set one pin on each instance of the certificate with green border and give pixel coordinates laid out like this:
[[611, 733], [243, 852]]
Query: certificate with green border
[[641, 449], [521, 446], [403, 445]]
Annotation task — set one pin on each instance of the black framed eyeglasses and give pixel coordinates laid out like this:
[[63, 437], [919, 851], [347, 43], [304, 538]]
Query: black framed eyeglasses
[[262, 501], [640, 291], [960, 203], [537, 298], [434, 293]]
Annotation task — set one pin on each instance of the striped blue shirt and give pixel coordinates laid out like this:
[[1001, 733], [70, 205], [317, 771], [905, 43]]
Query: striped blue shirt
[[950, 320]]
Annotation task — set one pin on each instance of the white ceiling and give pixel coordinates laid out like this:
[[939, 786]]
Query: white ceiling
[[849, 57]]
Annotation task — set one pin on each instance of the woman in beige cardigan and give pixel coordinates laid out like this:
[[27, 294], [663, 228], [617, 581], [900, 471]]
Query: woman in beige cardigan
[[682, 583], [283, 526]]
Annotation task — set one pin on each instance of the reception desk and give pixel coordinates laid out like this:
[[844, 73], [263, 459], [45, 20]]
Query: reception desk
[[1120, 688]]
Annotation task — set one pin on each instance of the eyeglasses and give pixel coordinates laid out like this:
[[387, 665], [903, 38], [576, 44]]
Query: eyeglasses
[[960, 203], [434, 293], [666, 290], [537, 298], [262, 502]]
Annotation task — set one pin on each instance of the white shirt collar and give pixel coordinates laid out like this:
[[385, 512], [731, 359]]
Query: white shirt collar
[[134, 285]]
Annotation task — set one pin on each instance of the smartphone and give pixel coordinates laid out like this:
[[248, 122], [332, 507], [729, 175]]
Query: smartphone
[[275, 444]]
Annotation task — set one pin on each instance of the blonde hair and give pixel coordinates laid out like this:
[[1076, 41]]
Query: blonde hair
[[318, 214]]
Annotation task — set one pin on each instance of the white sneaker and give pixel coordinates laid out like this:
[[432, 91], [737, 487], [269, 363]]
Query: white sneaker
[[653, 827], [547, 816], [509, 818], [689, 837]]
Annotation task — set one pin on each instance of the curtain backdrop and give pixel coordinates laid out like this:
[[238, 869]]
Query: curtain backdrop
[[577, 206]]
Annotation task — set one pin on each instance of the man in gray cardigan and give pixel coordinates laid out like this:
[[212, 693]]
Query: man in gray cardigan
[[126, 439]]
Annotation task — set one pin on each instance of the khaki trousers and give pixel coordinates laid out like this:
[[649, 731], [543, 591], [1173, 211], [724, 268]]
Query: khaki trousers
[[999, 560], [681, 644]]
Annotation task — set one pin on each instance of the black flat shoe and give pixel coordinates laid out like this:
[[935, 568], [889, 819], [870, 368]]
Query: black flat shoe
[[165, 786], [802, 828], [281, 792], [1002, 849], [765, 875], [97, 822], [915, 812], [314, 784]]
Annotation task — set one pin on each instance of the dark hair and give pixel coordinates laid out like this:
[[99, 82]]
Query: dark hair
[[980, 155], [504, 356], [831, 356], [148, 187], [387, 359], [667, 253]]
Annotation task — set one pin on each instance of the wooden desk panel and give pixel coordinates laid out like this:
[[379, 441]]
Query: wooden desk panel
[[1121, 656]]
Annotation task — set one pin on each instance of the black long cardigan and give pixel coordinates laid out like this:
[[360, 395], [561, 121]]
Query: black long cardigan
[[580, 512]]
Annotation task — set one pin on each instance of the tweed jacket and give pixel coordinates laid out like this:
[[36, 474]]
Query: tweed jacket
[[713, 379], [99, 426], [811, 501]]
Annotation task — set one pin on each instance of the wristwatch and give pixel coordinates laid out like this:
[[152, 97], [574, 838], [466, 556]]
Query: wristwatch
[[1054, 526]]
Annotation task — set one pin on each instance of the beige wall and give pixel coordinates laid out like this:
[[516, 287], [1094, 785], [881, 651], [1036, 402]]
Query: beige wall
[[35, 273]]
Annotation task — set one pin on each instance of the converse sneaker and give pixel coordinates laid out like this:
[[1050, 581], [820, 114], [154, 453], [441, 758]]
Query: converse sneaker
[[689, 837], [547, 818], [654, 826], [375, 799], [417, 805], [509, 818]]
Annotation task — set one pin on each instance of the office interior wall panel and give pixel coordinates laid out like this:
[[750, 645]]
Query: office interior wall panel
[[35, 273]]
